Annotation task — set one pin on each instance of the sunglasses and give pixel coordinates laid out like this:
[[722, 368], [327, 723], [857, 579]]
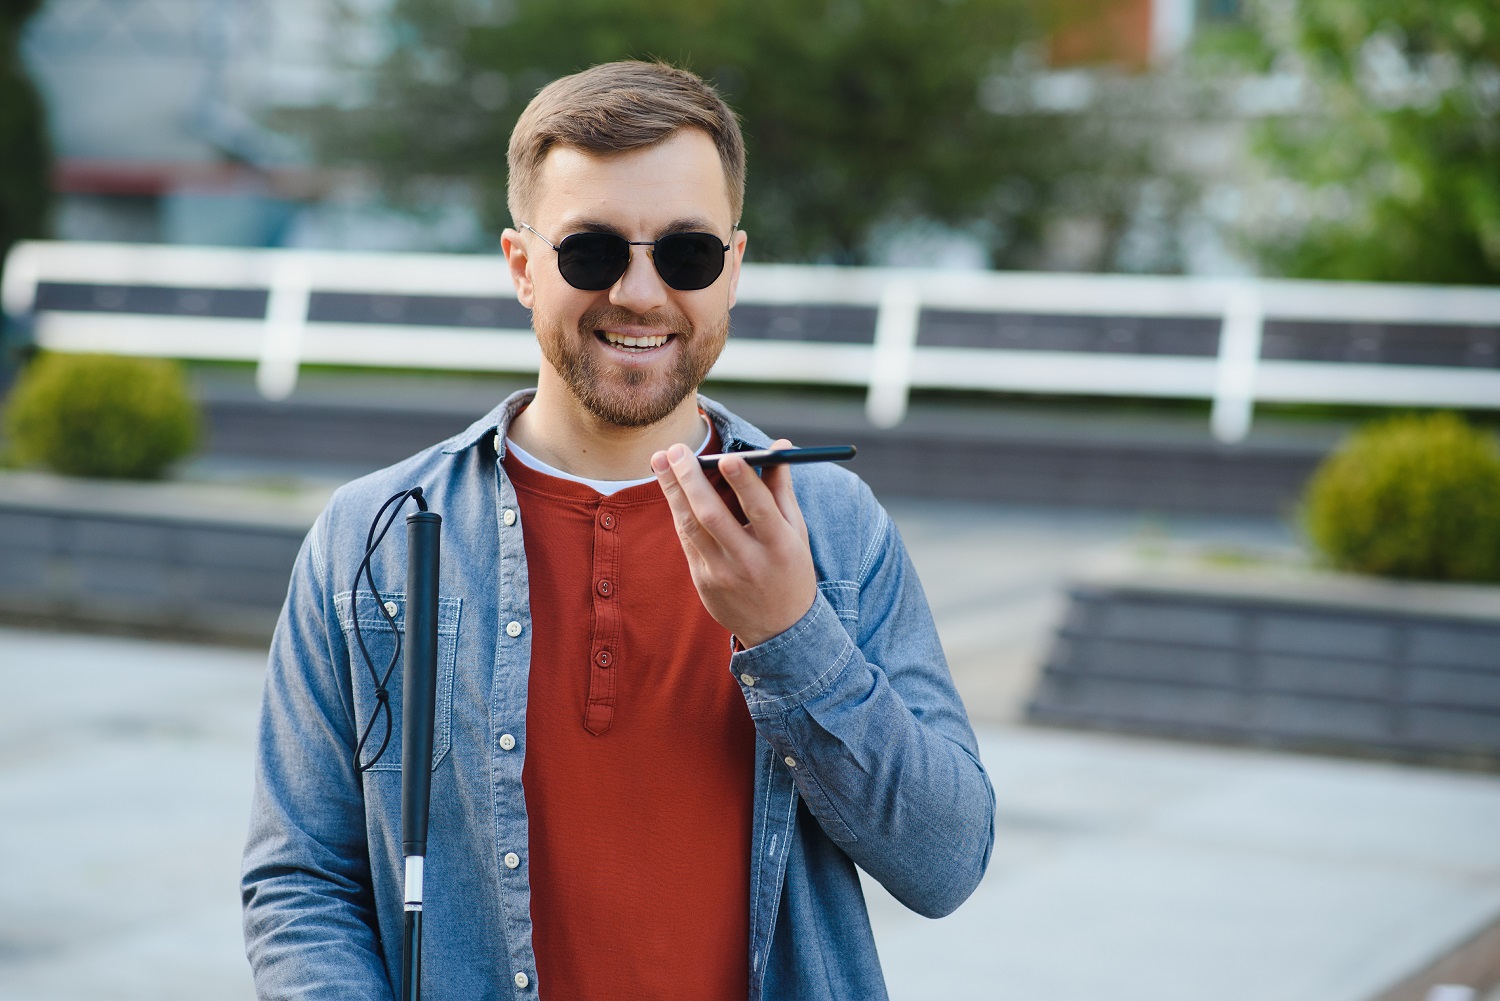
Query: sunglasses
[[593, 262]]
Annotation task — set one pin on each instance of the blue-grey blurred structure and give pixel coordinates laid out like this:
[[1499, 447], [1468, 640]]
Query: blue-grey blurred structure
[[162, 115]]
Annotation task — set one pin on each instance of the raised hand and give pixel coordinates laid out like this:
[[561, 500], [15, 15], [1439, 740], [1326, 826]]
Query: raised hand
[[756, 579]]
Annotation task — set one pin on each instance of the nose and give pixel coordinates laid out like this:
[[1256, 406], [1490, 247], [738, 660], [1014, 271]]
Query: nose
[[640, 289]]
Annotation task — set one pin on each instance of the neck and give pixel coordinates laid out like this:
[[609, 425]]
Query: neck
[[555, 428]]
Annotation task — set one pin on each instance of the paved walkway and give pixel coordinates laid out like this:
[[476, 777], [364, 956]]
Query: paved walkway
[[1125, 869]]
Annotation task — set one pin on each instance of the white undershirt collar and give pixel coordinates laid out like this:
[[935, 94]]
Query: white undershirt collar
[[605, 487]]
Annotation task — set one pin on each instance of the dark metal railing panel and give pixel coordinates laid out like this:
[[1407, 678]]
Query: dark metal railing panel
[[1382, 343], [155, 300], [813, 323], [418, 310], [1193, 337]]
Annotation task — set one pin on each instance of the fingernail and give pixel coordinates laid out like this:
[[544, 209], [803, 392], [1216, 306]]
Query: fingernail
[[659, 462], [677, 452]]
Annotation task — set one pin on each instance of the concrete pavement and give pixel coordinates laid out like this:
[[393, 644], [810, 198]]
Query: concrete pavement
[[1124, 868]]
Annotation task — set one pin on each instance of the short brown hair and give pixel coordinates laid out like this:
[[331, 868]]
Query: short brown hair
[[615, 108]]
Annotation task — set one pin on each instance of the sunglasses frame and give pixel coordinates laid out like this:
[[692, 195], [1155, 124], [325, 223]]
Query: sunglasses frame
[[557, 248]]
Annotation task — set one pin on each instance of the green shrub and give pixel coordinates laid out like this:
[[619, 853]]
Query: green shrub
[[1410, 497], [101, 415]]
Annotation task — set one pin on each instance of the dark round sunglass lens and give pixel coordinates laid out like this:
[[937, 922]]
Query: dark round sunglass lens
[[689, 261], [592, 261]]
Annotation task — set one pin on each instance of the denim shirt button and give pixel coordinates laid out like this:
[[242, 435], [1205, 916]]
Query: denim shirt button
[[522, 981], [390, 608], [748, 681], [791, 762], [512, 860], [513, 629], [509, 517], [507, 742]]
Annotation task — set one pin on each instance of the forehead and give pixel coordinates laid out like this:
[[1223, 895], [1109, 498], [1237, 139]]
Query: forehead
[[680, 178]]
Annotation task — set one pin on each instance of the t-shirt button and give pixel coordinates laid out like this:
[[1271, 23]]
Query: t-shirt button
[[513, 629], [512, 860], [603, 659], [748, 681], [522, 981], [507, 742], [607, 520], [604, 588], [509, 517]]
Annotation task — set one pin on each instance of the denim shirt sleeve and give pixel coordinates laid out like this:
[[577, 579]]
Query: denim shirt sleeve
[[308, 910], [865, 717]]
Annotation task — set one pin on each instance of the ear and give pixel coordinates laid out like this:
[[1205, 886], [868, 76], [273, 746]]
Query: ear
[[520, 267], [736, 258]]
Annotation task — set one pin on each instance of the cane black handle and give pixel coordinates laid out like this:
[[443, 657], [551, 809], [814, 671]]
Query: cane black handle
[[418, 698], [420, 682]]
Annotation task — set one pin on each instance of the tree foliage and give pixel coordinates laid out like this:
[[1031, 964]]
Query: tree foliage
[[1399, 158], [26, 157], [860, 115]]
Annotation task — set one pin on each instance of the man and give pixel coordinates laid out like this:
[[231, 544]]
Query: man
[[674, 710]]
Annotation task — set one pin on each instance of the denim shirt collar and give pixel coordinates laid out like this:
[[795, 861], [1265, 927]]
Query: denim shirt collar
[[736, 434]]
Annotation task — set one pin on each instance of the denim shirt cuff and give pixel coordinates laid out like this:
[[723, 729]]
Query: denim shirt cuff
[[794, 666]]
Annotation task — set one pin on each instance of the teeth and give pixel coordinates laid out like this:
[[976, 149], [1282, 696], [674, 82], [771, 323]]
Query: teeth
[[652, 341]]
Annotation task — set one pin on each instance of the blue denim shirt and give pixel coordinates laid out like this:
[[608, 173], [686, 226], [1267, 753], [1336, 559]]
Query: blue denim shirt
[[864, 755]]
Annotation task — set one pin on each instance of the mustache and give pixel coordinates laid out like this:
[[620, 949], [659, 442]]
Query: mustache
[[618, 316]]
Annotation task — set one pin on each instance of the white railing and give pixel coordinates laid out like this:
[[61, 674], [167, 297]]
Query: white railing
[[889, 368]]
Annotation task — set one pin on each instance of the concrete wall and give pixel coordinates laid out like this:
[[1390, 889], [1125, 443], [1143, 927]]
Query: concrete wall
[[1360, 666], [86, 556]]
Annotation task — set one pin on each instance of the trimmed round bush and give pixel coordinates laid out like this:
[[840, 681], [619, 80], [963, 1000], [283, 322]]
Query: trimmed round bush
[[1414, 496], [101, 415]]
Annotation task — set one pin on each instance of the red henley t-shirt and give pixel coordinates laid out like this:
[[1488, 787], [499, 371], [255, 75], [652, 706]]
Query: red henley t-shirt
[[639, 771]]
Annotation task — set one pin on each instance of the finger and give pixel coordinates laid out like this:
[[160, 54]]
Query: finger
[[708, 511], [778, 480], [755, 497], [695, 539]]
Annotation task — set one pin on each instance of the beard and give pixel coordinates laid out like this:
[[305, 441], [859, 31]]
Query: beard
[[635, 397]]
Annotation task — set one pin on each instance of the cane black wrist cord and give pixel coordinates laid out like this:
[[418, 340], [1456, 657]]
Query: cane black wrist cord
[[381, 680]]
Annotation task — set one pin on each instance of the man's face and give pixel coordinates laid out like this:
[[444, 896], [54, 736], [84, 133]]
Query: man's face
[[675, 186]]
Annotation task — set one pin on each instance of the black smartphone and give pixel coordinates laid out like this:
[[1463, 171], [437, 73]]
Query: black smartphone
[[775, 456]]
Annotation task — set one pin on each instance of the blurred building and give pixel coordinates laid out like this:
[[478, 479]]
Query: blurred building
[[162, 117]]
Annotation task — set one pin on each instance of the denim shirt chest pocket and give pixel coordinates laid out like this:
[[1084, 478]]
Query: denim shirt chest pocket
[[380, 641]]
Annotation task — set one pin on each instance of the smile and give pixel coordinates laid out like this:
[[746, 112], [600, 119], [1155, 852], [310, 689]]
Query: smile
[[637, 343]]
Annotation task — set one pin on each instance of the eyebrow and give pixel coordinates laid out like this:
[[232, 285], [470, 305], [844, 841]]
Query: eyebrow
[[685, 225]]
